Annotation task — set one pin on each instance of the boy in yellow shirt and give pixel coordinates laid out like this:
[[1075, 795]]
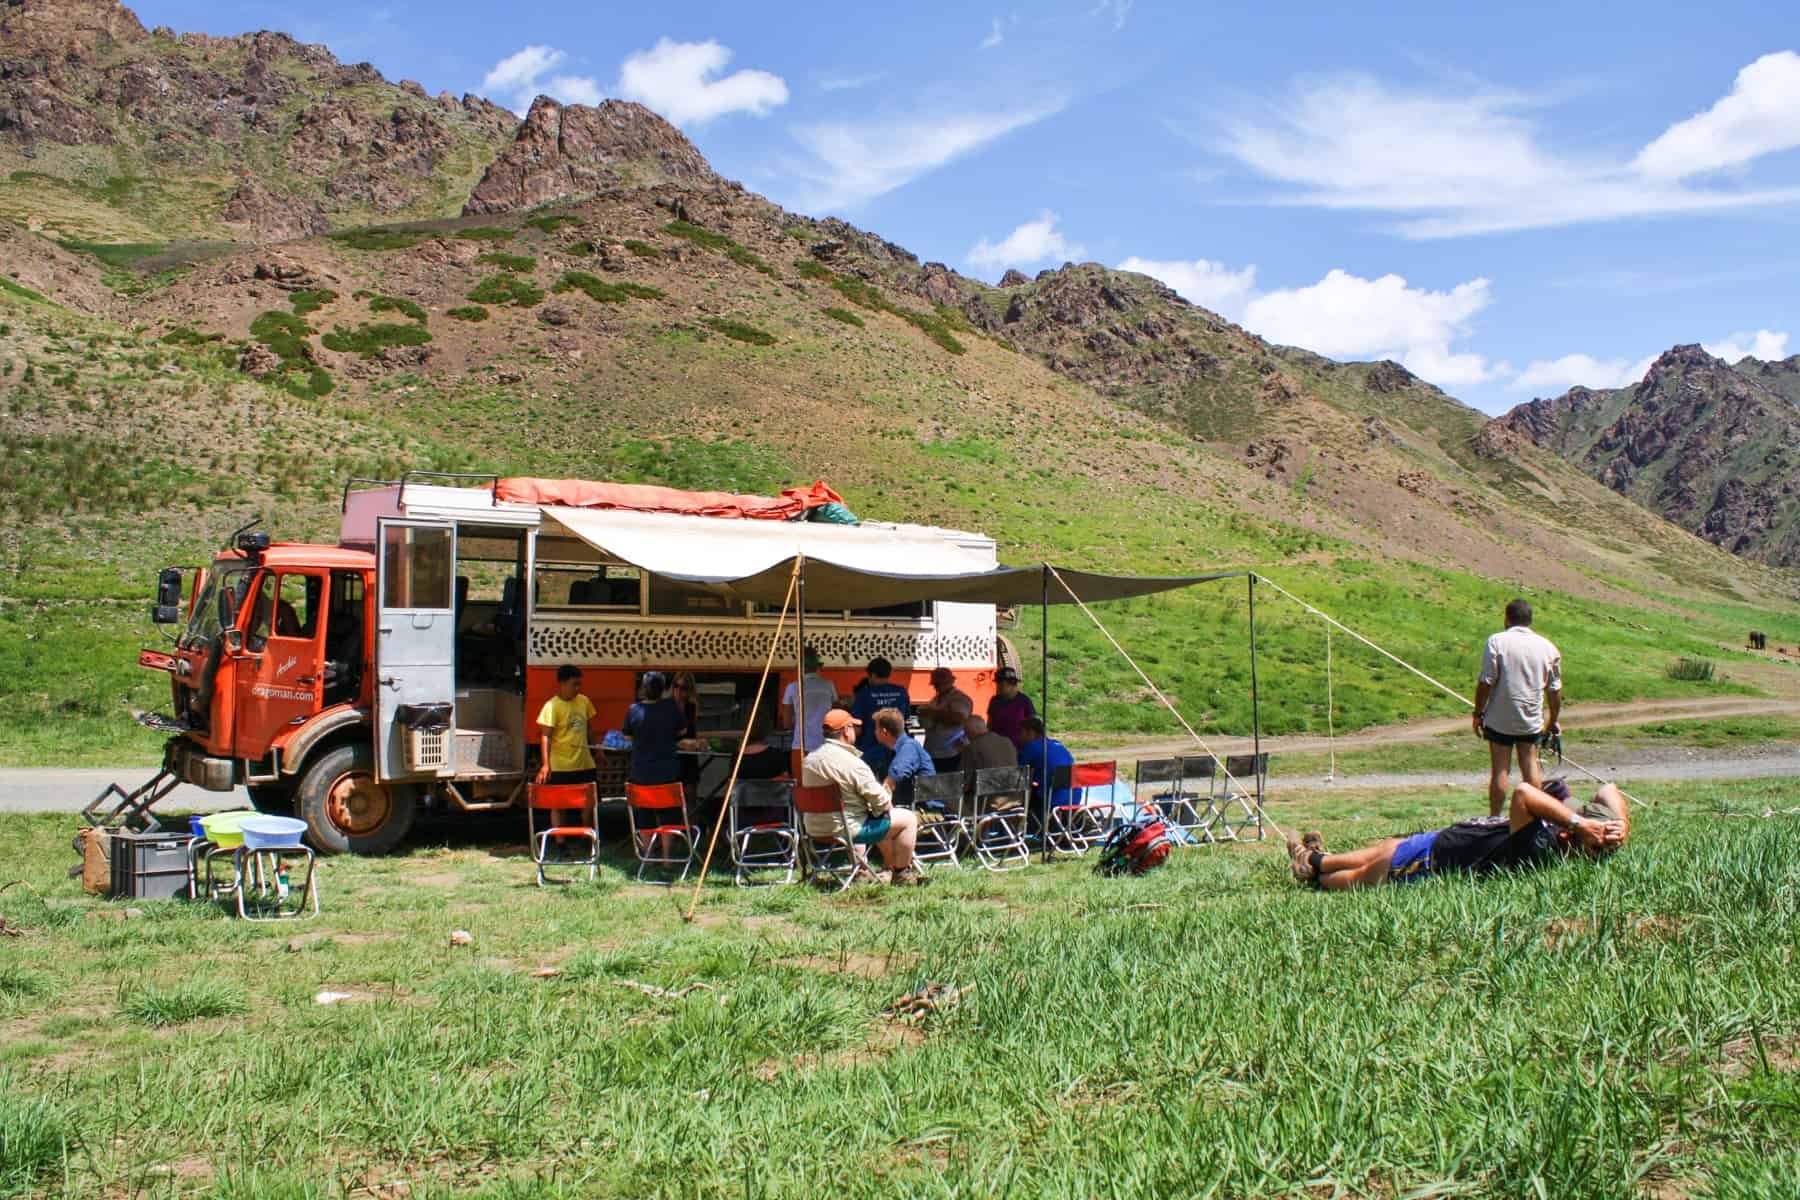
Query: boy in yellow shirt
[[563, 731]]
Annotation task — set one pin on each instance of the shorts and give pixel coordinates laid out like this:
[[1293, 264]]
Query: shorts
[[1412, 858], [1510, 739], [873, 831], [588, 776]]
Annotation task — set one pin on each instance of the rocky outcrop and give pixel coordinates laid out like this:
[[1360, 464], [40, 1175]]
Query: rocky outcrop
[[266, 216], [564, 152], [1713, 447]]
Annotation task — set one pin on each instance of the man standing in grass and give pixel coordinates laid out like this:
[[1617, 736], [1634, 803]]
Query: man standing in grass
[[563, 728], [1539, 828], [1517, 699]]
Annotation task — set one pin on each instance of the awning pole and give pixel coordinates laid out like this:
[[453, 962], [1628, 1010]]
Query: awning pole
[[1044, 712], [1255, 709], [798, 753]]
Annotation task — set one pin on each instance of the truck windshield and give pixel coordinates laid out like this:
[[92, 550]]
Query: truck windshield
[[218, 603]]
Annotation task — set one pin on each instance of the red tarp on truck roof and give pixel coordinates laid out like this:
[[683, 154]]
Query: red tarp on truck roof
[[643, 497]]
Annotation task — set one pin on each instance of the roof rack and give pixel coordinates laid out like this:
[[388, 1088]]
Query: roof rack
[[492, 480]]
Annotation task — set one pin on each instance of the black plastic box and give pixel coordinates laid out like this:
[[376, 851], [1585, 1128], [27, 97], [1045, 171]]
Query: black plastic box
[[150, 866]]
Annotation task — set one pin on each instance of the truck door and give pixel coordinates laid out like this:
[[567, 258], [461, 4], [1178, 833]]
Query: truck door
[[415, 644], [278, 675]]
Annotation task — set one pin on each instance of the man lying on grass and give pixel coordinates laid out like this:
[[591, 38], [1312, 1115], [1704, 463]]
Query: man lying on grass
[[1539, 828]]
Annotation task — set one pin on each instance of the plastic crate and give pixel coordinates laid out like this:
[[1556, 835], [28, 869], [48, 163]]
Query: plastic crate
[[427, 749], [150, 866]]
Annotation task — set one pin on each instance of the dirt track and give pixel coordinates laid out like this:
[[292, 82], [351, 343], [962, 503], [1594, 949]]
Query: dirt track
[[1575, 718]]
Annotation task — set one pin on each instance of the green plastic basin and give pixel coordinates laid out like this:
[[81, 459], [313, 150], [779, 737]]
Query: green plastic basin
[[222, 829]]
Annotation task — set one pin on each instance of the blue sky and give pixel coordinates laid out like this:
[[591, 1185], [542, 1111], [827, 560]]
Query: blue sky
[[1508, 198]]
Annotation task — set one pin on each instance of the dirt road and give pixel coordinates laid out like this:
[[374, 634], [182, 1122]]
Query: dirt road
[[1575, 718]]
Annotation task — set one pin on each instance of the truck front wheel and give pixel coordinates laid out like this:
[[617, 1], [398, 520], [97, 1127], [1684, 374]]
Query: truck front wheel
[[347, 810]]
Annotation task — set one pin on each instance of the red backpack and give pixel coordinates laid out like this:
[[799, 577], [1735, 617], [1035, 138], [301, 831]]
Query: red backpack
[[1136, 846]]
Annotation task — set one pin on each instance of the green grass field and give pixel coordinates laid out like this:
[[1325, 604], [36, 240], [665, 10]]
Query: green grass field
[[1624, 1030]]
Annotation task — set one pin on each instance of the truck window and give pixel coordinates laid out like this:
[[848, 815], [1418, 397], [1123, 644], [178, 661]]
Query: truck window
[[297, 606], [417, 567]]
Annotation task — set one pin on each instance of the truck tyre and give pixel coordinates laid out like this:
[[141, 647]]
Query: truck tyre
[[275, 798], [346, 810], [1004, 651]]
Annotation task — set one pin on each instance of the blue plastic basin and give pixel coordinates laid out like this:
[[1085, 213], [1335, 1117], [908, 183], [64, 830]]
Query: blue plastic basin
[[264, 832]]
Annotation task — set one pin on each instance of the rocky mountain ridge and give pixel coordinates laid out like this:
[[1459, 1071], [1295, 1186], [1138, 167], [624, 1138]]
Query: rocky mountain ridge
[[1712, 446]]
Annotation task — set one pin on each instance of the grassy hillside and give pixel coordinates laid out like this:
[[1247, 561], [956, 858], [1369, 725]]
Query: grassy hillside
[[616, 346]]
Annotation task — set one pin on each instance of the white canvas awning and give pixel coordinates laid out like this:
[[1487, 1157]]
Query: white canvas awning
[[848, 567]]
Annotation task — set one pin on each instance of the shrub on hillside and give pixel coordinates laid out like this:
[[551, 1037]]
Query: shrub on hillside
[[740, 255], [551, 222], [370, 339], [642, 249], [844, 315], [468, 312], [599, 289], [506, 290], [379, 239], [508, 262], [1692, 670], [739, 331], [310, 300], [381, 304]]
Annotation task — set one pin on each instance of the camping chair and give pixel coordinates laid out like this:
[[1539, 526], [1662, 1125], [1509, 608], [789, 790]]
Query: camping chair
[[660, 806], [761, 816], [940, 802], [1159, 785], [831, 856], [1077, 825], [556, 800], [1000, 814], [1234, 812]]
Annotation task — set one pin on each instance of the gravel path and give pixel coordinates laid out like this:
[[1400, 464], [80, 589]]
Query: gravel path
[[54, 789]]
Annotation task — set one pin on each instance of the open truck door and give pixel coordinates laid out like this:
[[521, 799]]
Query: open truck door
[[415, 649]]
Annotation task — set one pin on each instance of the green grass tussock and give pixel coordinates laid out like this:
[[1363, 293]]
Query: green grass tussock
[[370, 340], [310, 300], [36, 1139], [399, 304], [739, 331], [935, 325], [194, 339], [552, 222], [506, 290], [468, 312], [177, 1004], [517, 263], [641, 248], [12, 287], [741, 255], [379, 239], [1697, 670], [844, 315], [605, 291]]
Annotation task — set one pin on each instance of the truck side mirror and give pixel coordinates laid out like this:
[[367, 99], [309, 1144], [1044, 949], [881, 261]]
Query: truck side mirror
[[167, 609]]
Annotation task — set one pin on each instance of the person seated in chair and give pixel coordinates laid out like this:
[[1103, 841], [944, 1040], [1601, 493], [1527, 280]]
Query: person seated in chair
[[1043, 754], [869, 815], [985, 748], [906, 759], [1540, 828]]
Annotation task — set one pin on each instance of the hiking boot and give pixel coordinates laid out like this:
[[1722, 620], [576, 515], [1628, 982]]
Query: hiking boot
[[1314, 841], [1300, 859], [908, 876]]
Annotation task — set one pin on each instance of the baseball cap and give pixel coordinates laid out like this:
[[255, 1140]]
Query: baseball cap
[[1006, 675], [838, 719]]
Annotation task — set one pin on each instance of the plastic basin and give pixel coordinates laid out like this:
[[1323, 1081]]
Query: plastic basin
[[265, 832], [225, 829]]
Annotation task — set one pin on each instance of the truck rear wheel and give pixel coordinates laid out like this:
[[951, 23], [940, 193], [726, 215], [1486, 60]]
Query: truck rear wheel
[[347, 810]]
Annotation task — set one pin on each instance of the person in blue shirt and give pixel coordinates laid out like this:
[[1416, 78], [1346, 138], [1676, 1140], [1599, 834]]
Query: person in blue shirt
[[1042, 754], [879, 691], [907, 759], [654, 725]]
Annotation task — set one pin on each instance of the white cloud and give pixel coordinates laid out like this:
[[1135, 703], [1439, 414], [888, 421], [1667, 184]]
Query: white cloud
[[841, 83], [519, 78], [1211, 285], [1451, 165], [857, 163], [1347, 316], [1765, 344], [1553, 376], [1033, 242], [994, 37], [1115, 10], [1760, 115], [676, 79]]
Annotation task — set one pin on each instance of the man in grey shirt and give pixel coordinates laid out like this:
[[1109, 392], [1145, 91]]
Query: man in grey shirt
[[1517, 699]]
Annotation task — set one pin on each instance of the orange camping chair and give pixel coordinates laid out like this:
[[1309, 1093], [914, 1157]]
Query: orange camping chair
[[662, 810], [830, 856], [556, 800], [1077, 825]]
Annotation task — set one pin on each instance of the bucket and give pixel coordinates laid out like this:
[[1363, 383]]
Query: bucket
[[264, 832], [225, 829], [195, 826]]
